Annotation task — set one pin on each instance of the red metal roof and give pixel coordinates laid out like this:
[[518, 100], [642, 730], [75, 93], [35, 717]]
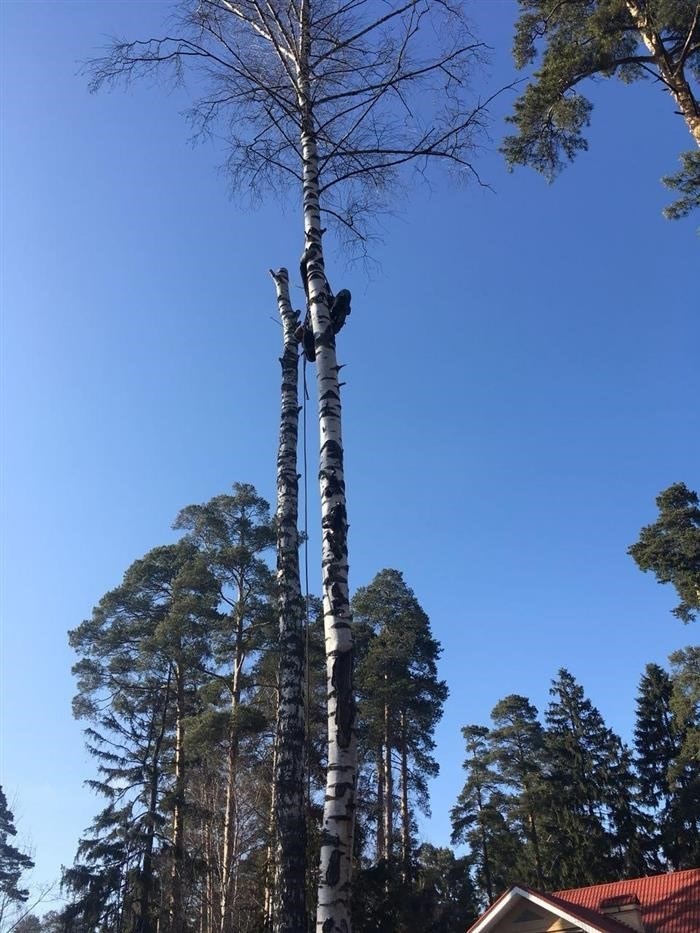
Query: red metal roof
[[669, 903]]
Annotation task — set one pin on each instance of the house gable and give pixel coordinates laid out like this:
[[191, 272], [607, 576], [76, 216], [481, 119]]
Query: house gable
[[522, 910]]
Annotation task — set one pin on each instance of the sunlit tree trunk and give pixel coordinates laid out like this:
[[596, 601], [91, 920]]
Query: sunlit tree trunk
[[405, 814], [673, 76], [288, 783], [178, 838], [144, 923], [380, 804], [388, 815], [333, 912], [229, 834], [270, 859]]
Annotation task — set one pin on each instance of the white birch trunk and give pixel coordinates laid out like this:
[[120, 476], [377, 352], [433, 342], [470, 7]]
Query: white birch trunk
[[334, 888], [290, 886]]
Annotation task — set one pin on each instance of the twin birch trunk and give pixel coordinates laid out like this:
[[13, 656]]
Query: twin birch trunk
[[339, 805], [333, 913], [290, 817]]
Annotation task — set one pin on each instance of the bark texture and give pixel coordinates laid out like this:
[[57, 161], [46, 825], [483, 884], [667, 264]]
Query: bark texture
[[228, 853], [670, 69], [289, 809], [178, 838], [334, 883]]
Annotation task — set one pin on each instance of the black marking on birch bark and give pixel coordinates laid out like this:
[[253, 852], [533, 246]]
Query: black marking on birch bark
[[336, 549], [333, 451], [333, 485], [336, 519], [338, 598], [341, 681], [340, 789], [326, 339], [329, 839], [333, 574], [328, 925], [333, 869]]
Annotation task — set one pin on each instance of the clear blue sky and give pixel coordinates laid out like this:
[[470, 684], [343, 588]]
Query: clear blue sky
[[522, 381]]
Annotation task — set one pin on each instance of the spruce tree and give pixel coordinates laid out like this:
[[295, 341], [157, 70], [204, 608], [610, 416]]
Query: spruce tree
[[591, 821], [657, 742], [684, 773]]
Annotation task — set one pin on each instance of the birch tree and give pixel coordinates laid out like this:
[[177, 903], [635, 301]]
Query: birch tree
[[333, 98], [288, 786]]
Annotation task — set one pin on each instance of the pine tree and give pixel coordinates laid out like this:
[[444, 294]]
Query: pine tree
[[401, 703], [478, 818], [233, 533], [517, 752], [581, 40], [142, 654], [670, 547]]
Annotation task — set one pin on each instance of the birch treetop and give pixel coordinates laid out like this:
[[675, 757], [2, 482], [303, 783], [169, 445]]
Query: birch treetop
[[386, 84]]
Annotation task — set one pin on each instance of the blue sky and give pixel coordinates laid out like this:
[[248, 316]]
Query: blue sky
[[522, 381]]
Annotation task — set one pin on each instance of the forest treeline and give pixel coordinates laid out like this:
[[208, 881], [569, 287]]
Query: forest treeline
[[177, 686]]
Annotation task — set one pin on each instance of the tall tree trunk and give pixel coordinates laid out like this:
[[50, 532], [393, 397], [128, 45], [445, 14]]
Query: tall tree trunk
[[229, 834], [484, 846], [144, 923], [290, 815], [405, 814], [671, 70], [178, 840], [535, 839], [388, 792], [335, 869], [270, 858], [381, 791]]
